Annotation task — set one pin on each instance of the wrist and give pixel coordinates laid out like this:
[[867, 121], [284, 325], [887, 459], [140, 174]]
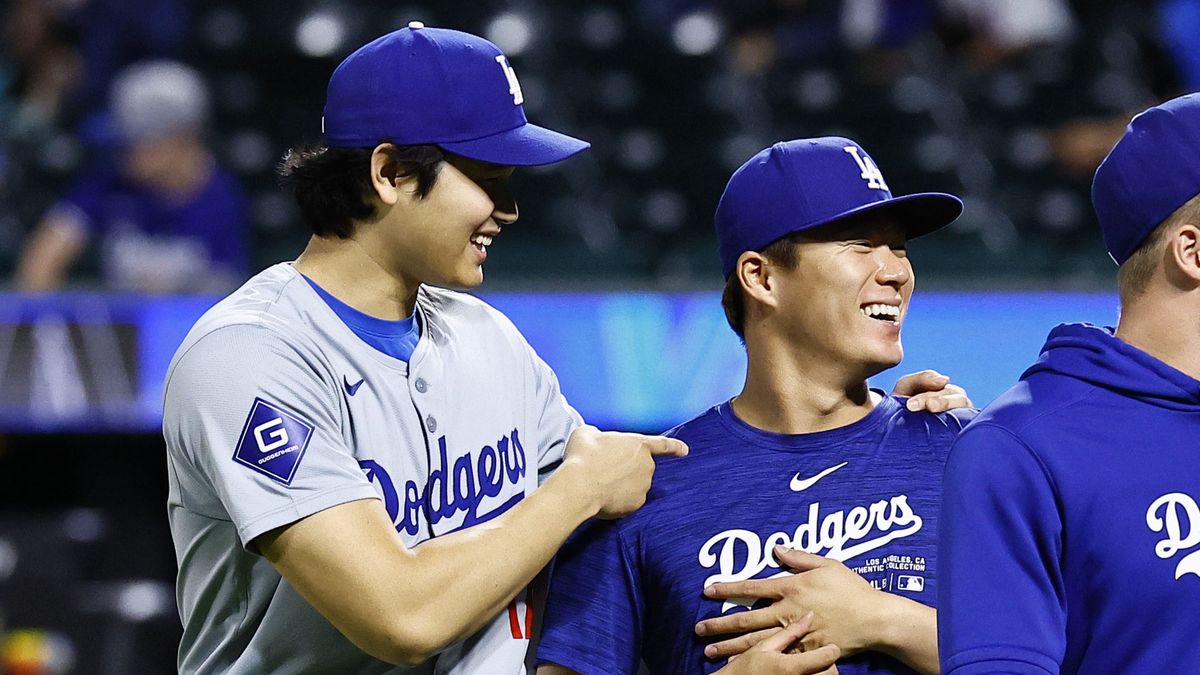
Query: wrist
[[577, 492], [895, 622]]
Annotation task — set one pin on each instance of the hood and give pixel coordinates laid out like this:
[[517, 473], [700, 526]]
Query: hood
[[1094, 355]]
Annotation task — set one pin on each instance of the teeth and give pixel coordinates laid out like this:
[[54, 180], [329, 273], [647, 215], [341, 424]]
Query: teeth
[[889, 311], [482, 240]]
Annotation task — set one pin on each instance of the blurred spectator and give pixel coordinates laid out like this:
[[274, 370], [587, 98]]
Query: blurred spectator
[[1081, 144], [61, 55], [41, 66], [1155, 51], [165, 216], [767, 31], [116, 33], [998, 30]]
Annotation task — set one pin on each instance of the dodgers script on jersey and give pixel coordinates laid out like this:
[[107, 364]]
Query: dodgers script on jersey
[[276, 410], [866, 494]]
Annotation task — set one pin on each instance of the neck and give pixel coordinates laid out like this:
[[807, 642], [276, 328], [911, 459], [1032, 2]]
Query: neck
[[349, 271], [789, 392], [1154, 324]]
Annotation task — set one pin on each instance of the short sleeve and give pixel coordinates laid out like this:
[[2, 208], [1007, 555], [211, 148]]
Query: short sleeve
[[1001, 599], [252, 417], [556, 418], [593, 617]]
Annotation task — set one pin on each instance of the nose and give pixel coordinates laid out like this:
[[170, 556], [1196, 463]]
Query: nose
[[504, 206], [894, 270]]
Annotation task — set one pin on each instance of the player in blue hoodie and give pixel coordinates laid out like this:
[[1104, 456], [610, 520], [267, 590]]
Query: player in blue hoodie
[[1070, 526]]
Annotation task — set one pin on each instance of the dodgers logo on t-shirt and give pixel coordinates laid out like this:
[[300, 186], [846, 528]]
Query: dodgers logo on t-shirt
[[273, 441]]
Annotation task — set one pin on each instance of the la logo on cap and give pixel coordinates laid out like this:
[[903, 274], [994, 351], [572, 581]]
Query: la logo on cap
[[514, 87], [870, 171]]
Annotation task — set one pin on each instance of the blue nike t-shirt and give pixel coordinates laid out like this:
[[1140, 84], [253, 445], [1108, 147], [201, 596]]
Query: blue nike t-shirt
[[866, 494]]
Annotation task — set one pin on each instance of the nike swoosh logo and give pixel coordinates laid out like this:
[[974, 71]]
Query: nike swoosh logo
[[800, 483], [352, 389]]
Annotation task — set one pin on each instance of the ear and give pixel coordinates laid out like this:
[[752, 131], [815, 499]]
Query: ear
[[1183, 250], [385, 179], [755, 273]]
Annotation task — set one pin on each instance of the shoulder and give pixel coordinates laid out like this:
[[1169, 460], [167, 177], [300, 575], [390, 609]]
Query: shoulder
[[902, 425], [264, 310], [1035, 405], [703, 431], [953, 421], [710, 457], [460, 316], [445, 304], [267, 297], [694, 426], [996, 450]]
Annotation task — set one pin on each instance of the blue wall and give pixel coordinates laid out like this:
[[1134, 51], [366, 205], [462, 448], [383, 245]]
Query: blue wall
[[649, 361], [641, 361]]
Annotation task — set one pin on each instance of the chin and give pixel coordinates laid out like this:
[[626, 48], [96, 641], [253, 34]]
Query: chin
[[463, 280], [875, 364]]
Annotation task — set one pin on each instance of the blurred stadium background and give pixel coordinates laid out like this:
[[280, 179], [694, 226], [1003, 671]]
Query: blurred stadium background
[[612, 270]]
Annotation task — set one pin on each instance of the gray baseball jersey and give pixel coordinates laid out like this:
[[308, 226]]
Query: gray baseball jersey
[[274, 410]]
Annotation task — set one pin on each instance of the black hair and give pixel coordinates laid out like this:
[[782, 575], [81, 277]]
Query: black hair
[[782, 251], [1134, 275], [333, 185]]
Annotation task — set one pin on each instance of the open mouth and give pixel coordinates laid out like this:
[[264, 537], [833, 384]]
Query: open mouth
[[881, 312], [481, 242]]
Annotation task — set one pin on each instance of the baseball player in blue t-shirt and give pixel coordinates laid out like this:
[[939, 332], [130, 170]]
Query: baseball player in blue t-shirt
[[807, 469], [1070, 535]]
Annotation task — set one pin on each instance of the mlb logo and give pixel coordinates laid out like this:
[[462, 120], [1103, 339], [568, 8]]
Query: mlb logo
[[910, 583], [273, 442]]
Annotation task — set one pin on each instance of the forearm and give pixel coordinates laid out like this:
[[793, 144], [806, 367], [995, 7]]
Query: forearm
[[908, 632], [53, 246], [404, 604], [460, 581]]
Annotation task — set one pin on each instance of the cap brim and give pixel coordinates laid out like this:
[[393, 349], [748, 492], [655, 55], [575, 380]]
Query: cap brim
[[526, 145], [916, 214]]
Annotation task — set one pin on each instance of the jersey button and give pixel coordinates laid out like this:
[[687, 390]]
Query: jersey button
[[422, 385], [431, 424]]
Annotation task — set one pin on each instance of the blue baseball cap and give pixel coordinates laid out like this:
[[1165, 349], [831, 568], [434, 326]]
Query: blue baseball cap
[[419, 86], [810, 182], [1152, 170]]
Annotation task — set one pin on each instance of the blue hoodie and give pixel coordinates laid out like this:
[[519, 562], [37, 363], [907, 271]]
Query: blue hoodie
[[1070, 538]]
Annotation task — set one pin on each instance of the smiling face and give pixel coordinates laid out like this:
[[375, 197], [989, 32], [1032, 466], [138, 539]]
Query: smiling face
[[845, 298], [442, 238]]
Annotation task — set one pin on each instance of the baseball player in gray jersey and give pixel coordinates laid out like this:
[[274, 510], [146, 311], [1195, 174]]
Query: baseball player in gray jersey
[[359, 461]]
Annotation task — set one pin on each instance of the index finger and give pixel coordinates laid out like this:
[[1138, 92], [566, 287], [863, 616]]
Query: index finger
[[916, 383], [939, 401], [813, 661], [771, 589], [784, 638], [669, 447]]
